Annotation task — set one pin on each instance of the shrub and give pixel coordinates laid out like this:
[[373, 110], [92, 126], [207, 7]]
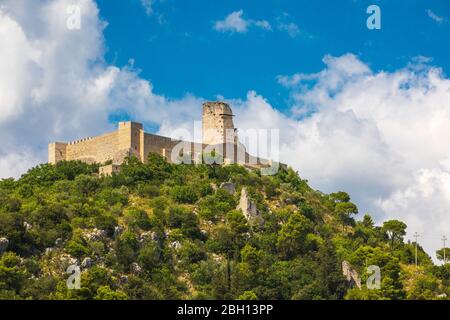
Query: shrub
[[184, 194]]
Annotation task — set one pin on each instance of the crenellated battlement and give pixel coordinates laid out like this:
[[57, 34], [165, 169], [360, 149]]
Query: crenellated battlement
[[80, 140]]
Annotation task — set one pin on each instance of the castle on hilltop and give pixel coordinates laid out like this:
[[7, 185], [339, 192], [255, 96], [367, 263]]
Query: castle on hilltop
[[219, 138]]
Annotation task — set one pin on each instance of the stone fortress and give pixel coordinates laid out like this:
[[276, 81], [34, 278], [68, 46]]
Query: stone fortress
[[219, 138]]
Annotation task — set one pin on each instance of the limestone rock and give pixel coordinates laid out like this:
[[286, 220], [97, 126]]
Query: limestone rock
[[350, 274], [148, 235], [27, 225], [135, 268], [95, 235], [61, 262], [87, 262], [123, 279], [228, 186], [117, 231], [175, 245], [4, 242], [248, 207]]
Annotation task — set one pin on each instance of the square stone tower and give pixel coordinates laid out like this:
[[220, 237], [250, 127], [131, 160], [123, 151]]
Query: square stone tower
[[130, 137], [57, 151], [217, 124]]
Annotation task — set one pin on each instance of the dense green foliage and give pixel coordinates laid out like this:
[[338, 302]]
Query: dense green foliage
[[162, 231]]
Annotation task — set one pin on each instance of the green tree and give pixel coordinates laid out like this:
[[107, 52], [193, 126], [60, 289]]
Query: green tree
[[292, 238], [86, 185], [105, 293], [184, 194], [394, 231], [440, 254], [343, 211], [127, 246], [12, 273], [329, 274], [340, 196], [248, 295]]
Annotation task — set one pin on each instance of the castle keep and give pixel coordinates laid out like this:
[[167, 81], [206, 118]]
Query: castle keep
[[219, 134]]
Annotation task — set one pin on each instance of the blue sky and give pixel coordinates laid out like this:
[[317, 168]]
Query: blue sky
[[177, 48]]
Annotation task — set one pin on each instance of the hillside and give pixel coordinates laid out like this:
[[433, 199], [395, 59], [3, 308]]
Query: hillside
[[162, 231]]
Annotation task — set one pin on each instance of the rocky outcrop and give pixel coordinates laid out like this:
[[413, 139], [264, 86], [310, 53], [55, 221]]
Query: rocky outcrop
[[87, 262], [148, 236], [175, 245], [123, 279], [351, 274], [229, 187], [4, 242], [135, 268], [117, 231], [95, 235], [59, 242], [57, 263], [27, 225], [248, 208]]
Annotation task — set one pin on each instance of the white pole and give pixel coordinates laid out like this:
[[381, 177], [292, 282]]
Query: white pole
[[416, 235]]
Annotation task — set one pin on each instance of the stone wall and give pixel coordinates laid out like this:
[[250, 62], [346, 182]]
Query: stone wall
[[99, 149], [157, 144], [164, 146], [109, 169]]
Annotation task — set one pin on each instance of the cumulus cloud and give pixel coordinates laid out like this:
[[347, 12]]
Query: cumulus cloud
[[235, 22], [55, 84]]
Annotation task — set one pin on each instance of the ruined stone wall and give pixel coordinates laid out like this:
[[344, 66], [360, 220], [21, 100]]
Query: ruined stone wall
[[164, 146], [157, 144], [217, 124], [98, 149]]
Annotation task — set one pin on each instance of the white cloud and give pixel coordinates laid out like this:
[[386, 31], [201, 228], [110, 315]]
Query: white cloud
[[285, 24], [14, 164], [434, 16], [55, 85], [424, 204], [263, 24], [234, 22], [291, 28], [148, 6]]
